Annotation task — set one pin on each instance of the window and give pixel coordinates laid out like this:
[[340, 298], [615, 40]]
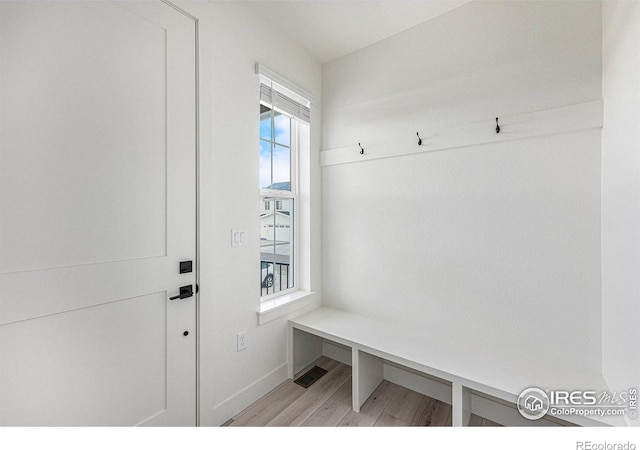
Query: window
[[284, 121]]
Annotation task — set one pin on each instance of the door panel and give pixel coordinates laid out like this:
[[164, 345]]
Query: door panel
[[100, 114], [74, 352], [97, 209]]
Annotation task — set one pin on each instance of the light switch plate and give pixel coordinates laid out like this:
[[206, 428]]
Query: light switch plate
[[238, 237]]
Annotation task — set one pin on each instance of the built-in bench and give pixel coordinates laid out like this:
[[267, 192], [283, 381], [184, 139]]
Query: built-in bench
[[468, 371]]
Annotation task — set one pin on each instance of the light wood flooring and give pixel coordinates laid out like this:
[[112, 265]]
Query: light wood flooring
[[328, 403]]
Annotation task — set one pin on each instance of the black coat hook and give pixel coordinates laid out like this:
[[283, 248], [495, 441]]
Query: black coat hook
[[497, 126], [361, 149], [419, 139]]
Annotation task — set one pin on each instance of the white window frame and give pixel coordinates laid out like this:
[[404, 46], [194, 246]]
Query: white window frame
[[277, 194], [300, 296]]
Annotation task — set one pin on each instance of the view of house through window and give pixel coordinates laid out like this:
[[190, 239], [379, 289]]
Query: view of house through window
[[279, 124], [276, 245]]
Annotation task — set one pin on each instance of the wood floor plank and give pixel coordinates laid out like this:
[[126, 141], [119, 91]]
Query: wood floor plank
[[431, 412], [441, 416], [372, 408], [304, 406], [475, 421], [331, 412], [449, 422], [489, 423], [422, 416], [328, 403], [387, 420], [269, 406], [404, 404], [265, 409]]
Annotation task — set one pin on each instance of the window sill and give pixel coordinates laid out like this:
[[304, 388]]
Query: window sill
[[277, 307]]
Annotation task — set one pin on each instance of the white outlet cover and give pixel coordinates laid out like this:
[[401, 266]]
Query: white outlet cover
[[242, 341]]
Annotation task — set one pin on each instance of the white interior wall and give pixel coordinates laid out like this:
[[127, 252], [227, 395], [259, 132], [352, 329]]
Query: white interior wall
[[482, 59], [495, 245], [231, 41], [621, 195]]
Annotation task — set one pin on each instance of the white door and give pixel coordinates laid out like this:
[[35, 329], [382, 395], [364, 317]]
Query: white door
[[97, 210]]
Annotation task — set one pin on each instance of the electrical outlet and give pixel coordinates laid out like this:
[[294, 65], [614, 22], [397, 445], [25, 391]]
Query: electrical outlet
[[242, 341]]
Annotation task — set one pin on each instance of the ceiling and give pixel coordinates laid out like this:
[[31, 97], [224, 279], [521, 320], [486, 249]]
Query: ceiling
[[330, 29]]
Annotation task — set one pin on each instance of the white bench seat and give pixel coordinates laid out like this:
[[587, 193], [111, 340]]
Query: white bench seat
[[465, 367]]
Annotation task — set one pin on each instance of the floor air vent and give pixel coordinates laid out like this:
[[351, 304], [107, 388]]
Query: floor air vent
[[313, 375]]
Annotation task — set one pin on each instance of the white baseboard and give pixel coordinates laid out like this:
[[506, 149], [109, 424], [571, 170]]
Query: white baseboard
[[234, 405]]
